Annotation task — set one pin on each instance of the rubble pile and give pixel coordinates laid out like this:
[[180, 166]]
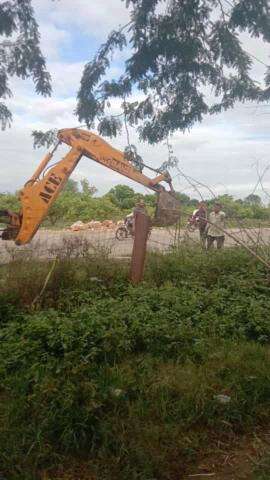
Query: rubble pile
[[95, 225]]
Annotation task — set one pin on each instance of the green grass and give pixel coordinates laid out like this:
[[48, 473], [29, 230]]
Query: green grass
[[126, 380]]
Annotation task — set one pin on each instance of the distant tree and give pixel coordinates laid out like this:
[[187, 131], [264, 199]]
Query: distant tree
[[20, 53], [75, 204], [260, 212], [122, 196], [9, 201], [184, 199], [225, 200], [175, 50], [193, 202], [71, 186], [253, 199], [150, 199], [58, 211], [88, 189]]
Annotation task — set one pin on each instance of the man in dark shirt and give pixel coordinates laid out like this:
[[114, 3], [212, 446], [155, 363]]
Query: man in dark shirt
[[199, 220]]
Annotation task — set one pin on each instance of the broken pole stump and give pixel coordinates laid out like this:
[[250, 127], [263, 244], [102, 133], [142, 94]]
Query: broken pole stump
[[142, 226]]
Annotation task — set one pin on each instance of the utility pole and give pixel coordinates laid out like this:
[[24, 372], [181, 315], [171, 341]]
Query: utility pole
[[142, 227]]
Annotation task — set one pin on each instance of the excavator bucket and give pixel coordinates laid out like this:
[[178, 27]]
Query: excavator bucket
[[167, 210], [12, 222]]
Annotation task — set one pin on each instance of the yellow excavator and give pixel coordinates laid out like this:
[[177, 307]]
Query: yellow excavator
[[42, 189]]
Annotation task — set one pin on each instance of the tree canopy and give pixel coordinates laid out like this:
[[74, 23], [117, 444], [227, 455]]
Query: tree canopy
[[20, 53], [184, 60], [253, 199], [122, 196], [177, 51]]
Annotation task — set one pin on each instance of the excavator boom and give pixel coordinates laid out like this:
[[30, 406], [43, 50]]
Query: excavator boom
[[41, 191], [97, 149]]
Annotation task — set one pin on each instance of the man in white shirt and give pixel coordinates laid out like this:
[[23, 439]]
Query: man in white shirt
[[130, 219], [129, 222], [216, 227]]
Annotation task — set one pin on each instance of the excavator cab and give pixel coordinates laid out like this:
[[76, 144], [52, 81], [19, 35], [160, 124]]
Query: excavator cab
[[42, 189]]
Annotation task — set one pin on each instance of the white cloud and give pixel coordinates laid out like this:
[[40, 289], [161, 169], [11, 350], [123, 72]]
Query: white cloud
[[259, 49], [18, 159], [36, 112], [93, 17], [53, 39], [65, 77]]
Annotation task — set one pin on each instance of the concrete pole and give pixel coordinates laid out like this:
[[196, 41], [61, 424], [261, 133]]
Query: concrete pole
[[142, 226]]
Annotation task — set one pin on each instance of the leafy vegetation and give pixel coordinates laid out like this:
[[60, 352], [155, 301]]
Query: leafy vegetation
[[174, 51], [78, 202], [20, 52], [127, 380]]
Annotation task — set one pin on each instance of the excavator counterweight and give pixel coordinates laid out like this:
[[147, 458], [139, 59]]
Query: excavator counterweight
[[42, 189]]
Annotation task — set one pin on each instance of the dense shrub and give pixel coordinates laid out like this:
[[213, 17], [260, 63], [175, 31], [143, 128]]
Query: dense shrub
[[128, 378]]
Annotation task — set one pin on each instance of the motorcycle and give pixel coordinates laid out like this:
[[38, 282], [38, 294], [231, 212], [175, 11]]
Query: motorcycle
[[123, 232]]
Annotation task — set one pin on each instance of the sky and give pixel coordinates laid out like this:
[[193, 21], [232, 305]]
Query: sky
[[222, 152]]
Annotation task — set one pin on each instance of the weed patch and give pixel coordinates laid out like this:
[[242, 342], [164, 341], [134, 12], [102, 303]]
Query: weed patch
[[131, 380]]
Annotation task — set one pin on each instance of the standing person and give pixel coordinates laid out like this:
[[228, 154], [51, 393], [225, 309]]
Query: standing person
[[130, 219], [217, 222], [129, 222], [199, 219]]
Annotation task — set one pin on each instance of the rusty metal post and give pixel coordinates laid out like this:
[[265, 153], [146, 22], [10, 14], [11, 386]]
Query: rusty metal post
[[142, 226]]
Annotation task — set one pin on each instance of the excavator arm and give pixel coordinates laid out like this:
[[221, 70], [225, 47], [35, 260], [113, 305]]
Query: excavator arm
[[41, 191]]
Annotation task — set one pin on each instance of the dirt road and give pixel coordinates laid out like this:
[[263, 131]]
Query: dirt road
[[48, 243]]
